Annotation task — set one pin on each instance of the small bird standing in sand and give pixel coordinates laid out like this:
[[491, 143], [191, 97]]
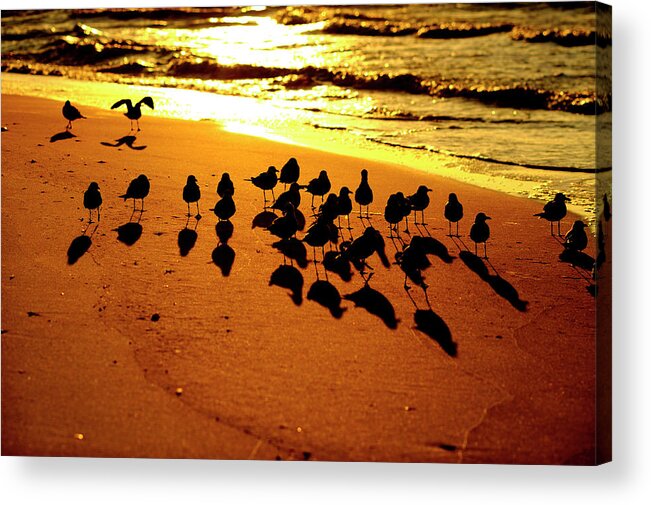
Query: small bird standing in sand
[[363, 247], [133, 111], [286, 225], [554, 211], [319, 234], [225, 208], [364, 194], [329, 210], [92, 200], [292, 195], [319, 186], [576, 239], [419, 201], [138, 189], [266, 181], [71, 113], [396, 210], [290, 172], [225, 185], [192, 193], [480, 232], [412, 261], [453, 212], [344, 206]]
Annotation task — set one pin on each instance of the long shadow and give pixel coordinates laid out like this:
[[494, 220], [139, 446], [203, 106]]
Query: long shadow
[[224, 255], [263, 220], [187, 238], [577, 259], [293, 249], [289, 277], [374, 303], [436, 248], [80, 245], [129, 233], [127, 140], [431, 324], [224, 231], [500, 285], [327, 295], [339, 264], [62, 136]]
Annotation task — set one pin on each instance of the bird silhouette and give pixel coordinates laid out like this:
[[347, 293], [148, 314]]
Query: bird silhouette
[[606, 212], [419, 201], [363, 247], [453, 212], [364, 194], [480, 232], [285, 226], [225, 185], [192, 193], [138, 189], [318, 186], [225, 208], [554, 211], [133, 111], [71, 113], [292, 195], [290, 172], [92, 200], [319, 234], [338, 262], [329, 210], [412, 261], [397, 208], [576, 239], [266, 181], [344, 206]]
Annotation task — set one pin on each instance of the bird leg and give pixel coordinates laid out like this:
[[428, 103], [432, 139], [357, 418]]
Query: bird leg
[[405, 285], [422, 218], [551, 228], [407, 223], [98, 214], [424, 288], [198, 213], [90, 216], [559, 227], [272, 194], [360, 211], [142, 205], [458, 229], [188, 214], [367, 216], [485, 253], [313, 207], [449, 228], [138, 124]]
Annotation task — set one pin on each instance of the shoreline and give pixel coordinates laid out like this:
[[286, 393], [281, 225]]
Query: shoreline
[[232, 368]]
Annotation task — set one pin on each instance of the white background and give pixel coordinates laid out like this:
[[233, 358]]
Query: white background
[[627, 480]]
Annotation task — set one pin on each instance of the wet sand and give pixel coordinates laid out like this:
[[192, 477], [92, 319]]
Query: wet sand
[[233, 368]]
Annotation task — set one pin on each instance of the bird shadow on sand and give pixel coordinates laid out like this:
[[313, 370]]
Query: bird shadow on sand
[[64, 135], [374, 303], [292, 249], [127, 140], [223, 256], [289, 277], [500, 285], [187, 238], [129, 233], [432, 325], [80, 245], [582, 264], [327, 295], [263, 219]]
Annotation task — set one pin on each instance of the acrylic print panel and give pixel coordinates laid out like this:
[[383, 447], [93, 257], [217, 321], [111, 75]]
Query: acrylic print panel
[[353, 233]]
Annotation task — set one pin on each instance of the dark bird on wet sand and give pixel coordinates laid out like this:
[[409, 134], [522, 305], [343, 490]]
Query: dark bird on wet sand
[[319, 186], [290, 172], [225, 185], [554, 211], [292, 195], [133, 111], [192, 193], [92, 200], [480, 232], [419, 201], [138, 189], [266, 181], [453, 212], [576, 239], [319, 234], [344, 205], [364, 194], [396, 210], [71, 113], [329, 210], [225, 208]]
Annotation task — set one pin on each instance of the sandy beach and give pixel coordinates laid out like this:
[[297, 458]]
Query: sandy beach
[[231, 367]]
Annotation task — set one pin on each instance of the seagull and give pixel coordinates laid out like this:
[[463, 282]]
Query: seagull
[[364, 194], [576, 239], [329, 210], [363, 247], [265, 181], [412, 261], [453, 212], [480, 232], [292, 195], [225, 185], [92, 200], [319, 234], [133, 112], [290, 172], [419, 201], [71, 113], [344, 205], [285, 226], [554, 211], [319, 186], [192, 193], [225, 208], [396, 210], [138, 189]]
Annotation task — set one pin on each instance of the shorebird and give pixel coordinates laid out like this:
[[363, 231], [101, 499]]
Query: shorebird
[[344, 206], [319, 234], [192, 193], [396, 210], [453, 212], [290, 172], [319, 186], [225, 208], [480, 232], [363, 247], [576, 239], [71, 113], [412, 261], [133, 111], [329, 210], [138, 189], [285, 226], [92, 200], [364, 194], [265, 181], [225, 185], [419, 201], [554, 211], [292, 195]]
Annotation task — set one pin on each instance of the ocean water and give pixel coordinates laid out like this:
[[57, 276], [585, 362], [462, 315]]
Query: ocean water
[[506, 96]]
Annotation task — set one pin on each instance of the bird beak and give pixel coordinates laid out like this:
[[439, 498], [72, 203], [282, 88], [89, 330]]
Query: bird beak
[[487, 217], [429, 190]]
